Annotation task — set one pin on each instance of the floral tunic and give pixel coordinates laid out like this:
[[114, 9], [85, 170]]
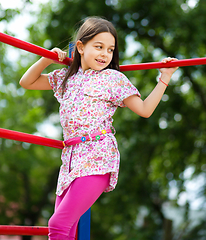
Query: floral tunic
[[90, 100]]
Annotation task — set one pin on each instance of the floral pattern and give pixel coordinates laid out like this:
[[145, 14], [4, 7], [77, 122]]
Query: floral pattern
[[90, 100]]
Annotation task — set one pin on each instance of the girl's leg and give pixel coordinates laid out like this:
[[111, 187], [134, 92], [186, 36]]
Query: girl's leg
[[57, 203], [80, 196]]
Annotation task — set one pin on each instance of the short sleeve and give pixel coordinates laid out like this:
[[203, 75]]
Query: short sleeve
[[121, 88], [55, 79]]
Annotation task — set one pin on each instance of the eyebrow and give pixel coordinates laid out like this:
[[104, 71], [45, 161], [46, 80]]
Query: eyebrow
[[103, 43]]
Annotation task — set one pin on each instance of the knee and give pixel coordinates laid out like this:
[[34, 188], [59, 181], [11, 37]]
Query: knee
[[53, 222], [57, 229]]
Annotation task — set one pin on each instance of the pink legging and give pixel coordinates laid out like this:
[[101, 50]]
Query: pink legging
[[73, 203]]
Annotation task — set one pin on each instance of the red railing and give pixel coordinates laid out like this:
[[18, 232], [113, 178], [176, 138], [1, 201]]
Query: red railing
[[84, 223], [29, 138], [23, 230], [142, 66]]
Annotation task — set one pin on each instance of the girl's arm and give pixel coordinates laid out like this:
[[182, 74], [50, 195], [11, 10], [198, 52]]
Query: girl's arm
[[33, 77], [146, 108]]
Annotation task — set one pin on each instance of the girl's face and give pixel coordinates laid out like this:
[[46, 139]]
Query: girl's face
[[98, 52]]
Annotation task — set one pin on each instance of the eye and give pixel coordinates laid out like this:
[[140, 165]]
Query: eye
[[98, 47], [111, 50]]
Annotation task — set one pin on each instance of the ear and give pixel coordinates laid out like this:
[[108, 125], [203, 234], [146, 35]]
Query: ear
[[80, 47]]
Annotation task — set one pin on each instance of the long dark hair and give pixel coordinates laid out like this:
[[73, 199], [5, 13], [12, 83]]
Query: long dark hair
[[89, 29]]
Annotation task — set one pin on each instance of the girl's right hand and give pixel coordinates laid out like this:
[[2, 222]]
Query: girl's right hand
[[61, 54], [33, 77]]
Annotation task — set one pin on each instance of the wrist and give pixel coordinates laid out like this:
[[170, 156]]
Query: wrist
[[163, 82], [165, 77]]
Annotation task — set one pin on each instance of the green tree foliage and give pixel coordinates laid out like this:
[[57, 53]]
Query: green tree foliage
[[156, 153], [28, 173]]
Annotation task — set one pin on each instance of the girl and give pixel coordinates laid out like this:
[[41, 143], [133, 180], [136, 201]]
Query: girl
[[89, 93]]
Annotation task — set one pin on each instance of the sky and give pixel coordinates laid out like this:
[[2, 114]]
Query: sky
[[18, 25]]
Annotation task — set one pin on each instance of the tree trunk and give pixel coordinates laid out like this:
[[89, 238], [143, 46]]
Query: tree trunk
[[167, 229]]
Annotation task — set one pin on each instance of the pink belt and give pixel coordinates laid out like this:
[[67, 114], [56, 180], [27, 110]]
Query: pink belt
[[95, 136]]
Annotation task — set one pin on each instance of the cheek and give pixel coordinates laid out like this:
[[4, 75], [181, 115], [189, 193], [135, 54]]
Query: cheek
[[91, 54], [111, 57], [87, 56]]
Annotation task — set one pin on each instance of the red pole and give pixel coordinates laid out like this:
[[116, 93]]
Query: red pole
[[31, 48], [23, 230], [25, 137], [156, 65], [141, 66]]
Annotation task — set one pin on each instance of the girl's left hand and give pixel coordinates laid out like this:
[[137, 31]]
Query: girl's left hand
[[169, 70]]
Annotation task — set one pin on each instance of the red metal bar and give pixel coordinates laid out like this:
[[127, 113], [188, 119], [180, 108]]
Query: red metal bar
[[29, 138], [23, 230], [156, 65], [141, 66], [31, 48]]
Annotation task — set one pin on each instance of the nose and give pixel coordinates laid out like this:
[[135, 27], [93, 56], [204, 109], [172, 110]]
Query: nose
[[104, 52]]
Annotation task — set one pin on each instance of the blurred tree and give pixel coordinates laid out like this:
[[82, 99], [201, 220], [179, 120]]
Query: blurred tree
[[28, 173], [156, 153]]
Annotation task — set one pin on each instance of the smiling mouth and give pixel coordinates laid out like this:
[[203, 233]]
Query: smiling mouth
[[100, 61]]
